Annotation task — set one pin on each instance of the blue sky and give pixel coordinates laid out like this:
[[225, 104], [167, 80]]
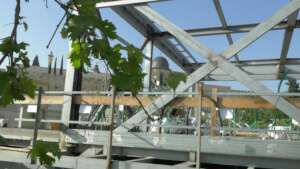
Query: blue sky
[[184, 13]]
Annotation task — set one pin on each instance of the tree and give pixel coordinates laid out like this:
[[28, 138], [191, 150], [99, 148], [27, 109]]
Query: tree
[[174, 79], [293, 86], [90, 36]]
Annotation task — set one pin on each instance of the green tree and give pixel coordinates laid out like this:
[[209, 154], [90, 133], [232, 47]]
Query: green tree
[[174, 79], [91, 37]]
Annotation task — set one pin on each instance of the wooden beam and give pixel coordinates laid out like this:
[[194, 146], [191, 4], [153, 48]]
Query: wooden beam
[[45, 100], [224, 102]]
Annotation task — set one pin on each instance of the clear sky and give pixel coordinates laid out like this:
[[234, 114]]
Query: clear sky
[[184, 13]]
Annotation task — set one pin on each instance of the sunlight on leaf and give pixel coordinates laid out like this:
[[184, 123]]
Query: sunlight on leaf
[[44, 152]]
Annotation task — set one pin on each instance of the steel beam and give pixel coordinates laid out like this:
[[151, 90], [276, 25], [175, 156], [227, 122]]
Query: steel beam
[[286, 42], [69, 82], [125, 42], [257, 69], [219, 61], [223, 31], [224, 23], [148, 65], [176, 147], [14, 157], [123, 3], [73, 80], [147, 29]]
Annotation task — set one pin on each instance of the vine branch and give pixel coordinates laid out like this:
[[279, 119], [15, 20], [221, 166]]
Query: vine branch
[[13, 35]]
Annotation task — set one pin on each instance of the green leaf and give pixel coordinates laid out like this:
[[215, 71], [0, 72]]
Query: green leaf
[[14, 86], [174, 79], [6, 46], [79, 54], [44, 152], [91, 37]]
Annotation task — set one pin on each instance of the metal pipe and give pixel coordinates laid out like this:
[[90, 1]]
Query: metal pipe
[[198, 161], [60, 121], [37, 121], [246, 93], [111, 129]]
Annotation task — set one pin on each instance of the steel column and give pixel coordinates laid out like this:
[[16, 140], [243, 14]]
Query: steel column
[[67, 106], [292, 20], [148, 65]]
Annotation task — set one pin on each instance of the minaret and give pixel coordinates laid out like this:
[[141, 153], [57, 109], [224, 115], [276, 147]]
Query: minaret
[[50, 59], [36, 61], [61, 65], [54, 69]]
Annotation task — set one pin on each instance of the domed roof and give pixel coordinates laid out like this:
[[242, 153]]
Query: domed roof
[[160, 63]]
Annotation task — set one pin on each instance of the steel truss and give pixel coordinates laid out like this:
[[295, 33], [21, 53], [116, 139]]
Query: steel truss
[[215, 60]]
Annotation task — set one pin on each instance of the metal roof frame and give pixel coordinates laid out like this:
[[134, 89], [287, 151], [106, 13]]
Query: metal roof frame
[[289, 11]]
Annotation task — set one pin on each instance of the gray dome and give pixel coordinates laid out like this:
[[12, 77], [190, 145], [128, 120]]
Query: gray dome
[[160, 63]]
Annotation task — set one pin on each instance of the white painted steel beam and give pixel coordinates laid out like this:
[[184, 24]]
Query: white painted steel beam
[[94, 163], [219, 61], [147, 28], [148, 65], [69, 82], [125, 42], [288, 34], [220, 12], [115, 3], [257, 69], [172, 147], [210, 31], [68, 101]]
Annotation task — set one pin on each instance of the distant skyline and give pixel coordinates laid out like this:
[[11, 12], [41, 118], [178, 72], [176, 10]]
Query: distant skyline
[[184, 13]]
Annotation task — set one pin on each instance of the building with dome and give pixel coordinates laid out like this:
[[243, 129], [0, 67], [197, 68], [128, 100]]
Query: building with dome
[[160, 71]]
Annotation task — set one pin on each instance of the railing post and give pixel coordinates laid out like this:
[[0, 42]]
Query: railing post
[[111, 129], [37, 120], [198, 160], [213, 115], [20, 117]]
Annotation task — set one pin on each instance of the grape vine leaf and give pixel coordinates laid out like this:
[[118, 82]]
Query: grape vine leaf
[[46, 153], [174, 79]]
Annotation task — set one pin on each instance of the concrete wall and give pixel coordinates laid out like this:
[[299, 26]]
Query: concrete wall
[[9, 165]]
